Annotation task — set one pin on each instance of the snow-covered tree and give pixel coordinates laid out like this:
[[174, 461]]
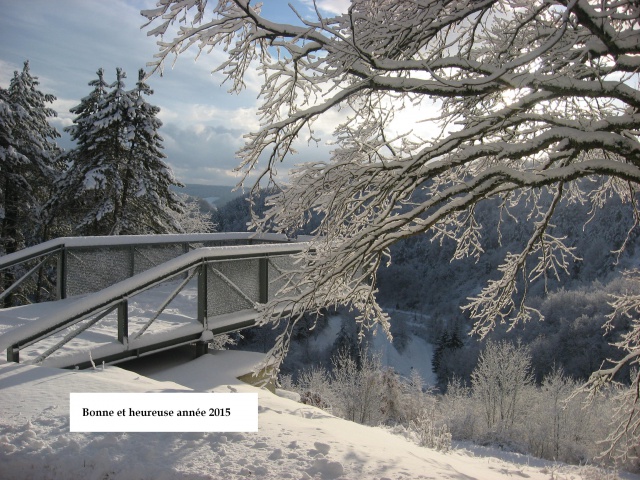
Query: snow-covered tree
[[191, 218], [86, 109], [73, 199], [499, 381], [148, 179], [445, 104], [117, 181], [28, 159]]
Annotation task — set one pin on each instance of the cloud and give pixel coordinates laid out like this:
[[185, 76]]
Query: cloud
[[66, 42], [6, 73], [331, 6], [65, 117], [196, 152]]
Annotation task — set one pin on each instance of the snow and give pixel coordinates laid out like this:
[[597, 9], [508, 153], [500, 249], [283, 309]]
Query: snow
[[105, 241], [33, 319], [177, 320], [416, 355], [293, 441]]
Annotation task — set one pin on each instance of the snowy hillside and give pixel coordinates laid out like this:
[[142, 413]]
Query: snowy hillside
[[294, 440], [214, 195], [416, 356]]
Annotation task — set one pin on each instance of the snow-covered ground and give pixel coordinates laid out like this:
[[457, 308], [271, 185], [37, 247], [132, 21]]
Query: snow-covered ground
[[415, 356], [294, 440]]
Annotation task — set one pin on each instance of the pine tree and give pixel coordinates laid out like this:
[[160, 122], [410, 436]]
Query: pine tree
[[454, 341], [29, 156], [443, 354], [86, 109], [74, 198], [149, 179], [441, 345], [119, 182], [345, 342], [28, 164]]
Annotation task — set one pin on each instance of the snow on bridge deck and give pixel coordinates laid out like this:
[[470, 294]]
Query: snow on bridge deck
[[178, 319], [143, 295]]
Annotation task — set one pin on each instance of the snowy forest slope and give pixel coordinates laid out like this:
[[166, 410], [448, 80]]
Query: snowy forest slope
[[421, 278]]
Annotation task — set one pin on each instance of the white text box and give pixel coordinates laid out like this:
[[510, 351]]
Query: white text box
[[163, 412]]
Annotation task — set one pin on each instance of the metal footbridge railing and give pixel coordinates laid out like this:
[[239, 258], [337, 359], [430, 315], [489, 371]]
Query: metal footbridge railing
[[97, 278]]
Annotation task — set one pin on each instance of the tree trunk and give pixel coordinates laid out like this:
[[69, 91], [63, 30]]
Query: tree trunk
[[9, 235]]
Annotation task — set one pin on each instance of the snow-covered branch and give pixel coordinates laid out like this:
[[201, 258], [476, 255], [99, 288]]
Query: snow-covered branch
[[446, 104]]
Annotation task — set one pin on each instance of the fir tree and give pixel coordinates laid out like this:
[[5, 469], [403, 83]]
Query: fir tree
[[86, 109], [119, 182], [149, 179], [454, 341], [441, 345], [28, 164], [442, 355], [346, 343], [29, 155], [74, 199]]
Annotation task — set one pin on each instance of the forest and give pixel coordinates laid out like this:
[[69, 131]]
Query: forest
[[115, 180], [549, 416]]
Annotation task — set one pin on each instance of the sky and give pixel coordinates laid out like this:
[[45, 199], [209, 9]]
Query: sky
[[67, 41]]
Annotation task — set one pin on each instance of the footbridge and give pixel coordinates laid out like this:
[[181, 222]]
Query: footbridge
[[108, 299]]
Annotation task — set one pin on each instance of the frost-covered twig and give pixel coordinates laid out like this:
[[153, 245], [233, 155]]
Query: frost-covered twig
[[532, 97]]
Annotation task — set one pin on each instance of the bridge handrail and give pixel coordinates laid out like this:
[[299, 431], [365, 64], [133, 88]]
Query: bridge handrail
[[115, 294], [44, 248], [126, 255]]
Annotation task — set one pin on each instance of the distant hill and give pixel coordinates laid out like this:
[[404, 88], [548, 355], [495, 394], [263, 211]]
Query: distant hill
[[215, 195]]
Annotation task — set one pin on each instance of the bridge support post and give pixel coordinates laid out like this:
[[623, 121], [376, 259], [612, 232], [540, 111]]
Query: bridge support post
[[13, 354], [132, 260], [203, 295], [263, 279], [202, 348], [61, 281], [123, 322]]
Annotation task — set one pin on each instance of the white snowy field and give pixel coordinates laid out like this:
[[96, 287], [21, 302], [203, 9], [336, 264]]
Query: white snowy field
[[294, 440], [416, 356]]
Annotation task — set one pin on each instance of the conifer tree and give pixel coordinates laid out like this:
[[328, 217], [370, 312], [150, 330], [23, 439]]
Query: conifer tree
[[87, 108], [446, 345], [149, 178], [29, 159], [74, 199], [441, 345], [118, 181]]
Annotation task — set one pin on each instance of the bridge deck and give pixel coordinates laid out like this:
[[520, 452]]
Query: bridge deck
[[177, 324], [187, 299]]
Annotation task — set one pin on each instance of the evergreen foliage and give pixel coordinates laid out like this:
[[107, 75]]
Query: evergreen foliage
[[447, 341], [29, 160], [117, 181], [28, 167]]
